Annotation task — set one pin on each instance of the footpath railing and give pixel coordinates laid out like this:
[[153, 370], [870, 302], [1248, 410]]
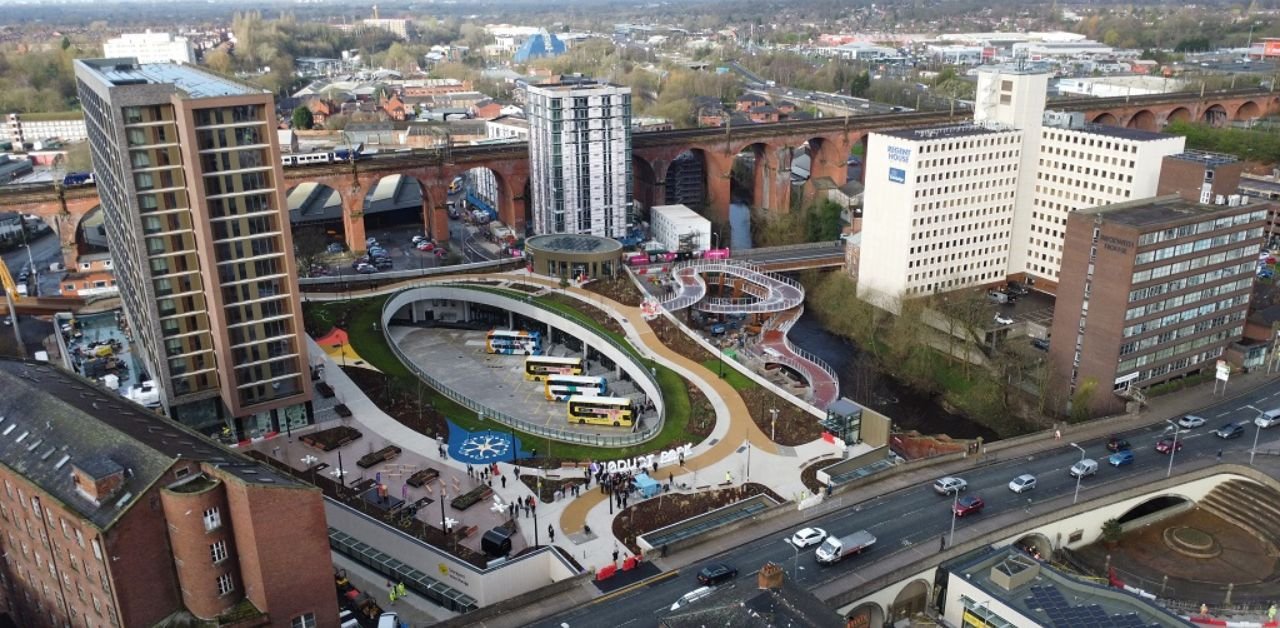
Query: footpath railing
[[643, 434], [339, 283]]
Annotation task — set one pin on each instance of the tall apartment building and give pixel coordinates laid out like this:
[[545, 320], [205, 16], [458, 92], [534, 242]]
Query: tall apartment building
[[187, 171], [150, 47], [1082, 166], [940, 211], [1150, 290], [113, 516], [580, 158]]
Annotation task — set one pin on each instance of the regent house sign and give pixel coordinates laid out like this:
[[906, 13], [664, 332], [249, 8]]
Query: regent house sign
[[1112, 243]]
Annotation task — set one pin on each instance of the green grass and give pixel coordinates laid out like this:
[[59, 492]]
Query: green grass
[[731, 375], [369, 342]]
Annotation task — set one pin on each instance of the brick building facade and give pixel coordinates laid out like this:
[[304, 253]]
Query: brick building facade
[[110, 515]]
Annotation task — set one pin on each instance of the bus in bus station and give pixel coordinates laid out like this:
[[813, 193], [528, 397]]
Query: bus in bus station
[[615, 411], [539, 367], [562, 387], [517, 342]]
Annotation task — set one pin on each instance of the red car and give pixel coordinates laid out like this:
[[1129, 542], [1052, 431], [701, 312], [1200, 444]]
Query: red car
[[1166, 445], [968, 505]]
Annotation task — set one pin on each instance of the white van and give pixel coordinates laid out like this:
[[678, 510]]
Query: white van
[[1085, 467], [388, 620]]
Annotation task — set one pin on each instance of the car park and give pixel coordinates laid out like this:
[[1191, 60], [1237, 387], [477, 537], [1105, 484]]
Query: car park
[[1167, 444], [1230, 430], [1022, 483], [968, 505], [1269, 418], [1190, 422], [717, 573], [949, 485], [1083, 468], [1117, 444], [1121, 458], [808, 536]]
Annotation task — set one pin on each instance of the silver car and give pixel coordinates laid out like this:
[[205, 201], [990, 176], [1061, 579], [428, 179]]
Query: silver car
[[949, 485], [1190, 422], [1024, 482]]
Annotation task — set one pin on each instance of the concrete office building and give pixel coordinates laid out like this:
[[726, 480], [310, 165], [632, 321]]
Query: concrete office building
[[1151, 290], [187, 170], [580, 158], [111, 515], [940, 209], [150, 47], [1082, 166], [34, 127], [680, 229]]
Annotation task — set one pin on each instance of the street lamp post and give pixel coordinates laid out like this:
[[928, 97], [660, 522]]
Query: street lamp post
[[1079, 476], [795, 561], [955, 505], [773, 423], [1173, 448], [1257, 431]]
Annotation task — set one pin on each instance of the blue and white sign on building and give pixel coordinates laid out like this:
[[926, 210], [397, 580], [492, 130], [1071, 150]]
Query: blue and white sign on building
[[897, 175]]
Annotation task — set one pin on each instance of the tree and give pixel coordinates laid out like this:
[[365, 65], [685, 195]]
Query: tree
[[309, 244], [1112, 531], [218, 60], [1080, 410], [78, 157], [302, 118], [860, 83], [66, 42]]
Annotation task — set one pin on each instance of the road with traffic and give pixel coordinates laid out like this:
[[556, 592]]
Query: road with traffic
[[929, 514], [44, 249]]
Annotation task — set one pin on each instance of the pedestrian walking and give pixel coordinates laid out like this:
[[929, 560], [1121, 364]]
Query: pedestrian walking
[[942, 542], [504, 481], [400, 589], [470, 473], [655, 466], [551, 534], [1219, 455]]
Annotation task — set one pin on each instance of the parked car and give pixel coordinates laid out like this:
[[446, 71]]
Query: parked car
[[366, 269], [1190, 422], [418, 238], [371, 242], [383, 263], [1003, 319], [335, 248], [1167, 445], [717, 573], [1017, 288], [1230, 430], [1085, 467], [1117, 444], [426, 245], [692, 596], [969, 504], [1040, 343], [1022, 483], [1268, 418], [1121, 458], [808, 536], [949, 485]]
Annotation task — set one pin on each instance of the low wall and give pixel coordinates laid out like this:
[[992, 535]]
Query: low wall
[[769, 513], [857, 462]]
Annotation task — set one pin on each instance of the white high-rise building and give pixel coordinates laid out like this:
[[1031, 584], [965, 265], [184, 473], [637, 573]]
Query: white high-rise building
[[150, 47], [580, 158], [939, 210], [975, 204], [1082, 166]]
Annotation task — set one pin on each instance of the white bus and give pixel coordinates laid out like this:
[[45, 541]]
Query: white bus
[[513, 342], [561, 387]]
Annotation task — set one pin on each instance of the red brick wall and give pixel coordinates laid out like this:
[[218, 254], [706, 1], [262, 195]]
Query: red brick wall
[[192, 551], [137, 554], [282, 540]]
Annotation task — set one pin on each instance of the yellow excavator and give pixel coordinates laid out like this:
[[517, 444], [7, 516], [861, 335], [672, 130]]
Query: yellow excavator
[[11, 290]]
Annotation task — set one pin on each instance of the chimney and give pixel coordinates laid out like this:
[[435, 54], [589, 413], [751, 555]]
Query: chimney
[[770, 576], [97, 478]]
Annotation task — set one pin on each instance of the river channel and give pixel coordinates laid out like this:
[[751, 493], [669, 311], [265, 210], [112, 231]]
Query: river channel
[[863, 383]]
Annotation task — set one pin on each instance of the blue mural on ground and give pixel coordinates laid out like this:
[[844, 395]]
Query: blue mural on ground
[[482, 447]]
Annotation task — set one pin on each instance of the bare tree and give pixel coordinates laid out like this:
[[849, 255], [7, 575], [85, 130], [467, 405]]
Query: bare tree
[[309, 244]]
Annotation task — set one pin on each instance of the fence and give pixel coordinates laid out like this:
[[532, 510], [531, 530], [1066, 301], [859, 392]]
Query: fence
[[645, 433]]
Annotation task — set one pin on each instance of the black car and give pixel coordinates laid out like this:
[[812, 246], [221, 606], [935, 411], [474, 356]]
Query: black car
[[1118, 444], [1040, 343], [1230, 430], [712, 575], [382, 263]]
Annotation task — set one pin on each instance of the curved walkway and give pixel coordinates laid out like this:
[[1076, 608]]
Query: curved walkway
[[769, 292]]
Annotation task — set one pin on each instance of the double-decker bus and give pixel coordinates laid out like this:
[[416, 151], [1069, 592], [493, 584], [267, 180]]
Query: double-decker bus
[[513, 342], [615, 411], [538, 368], [562, 387]]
